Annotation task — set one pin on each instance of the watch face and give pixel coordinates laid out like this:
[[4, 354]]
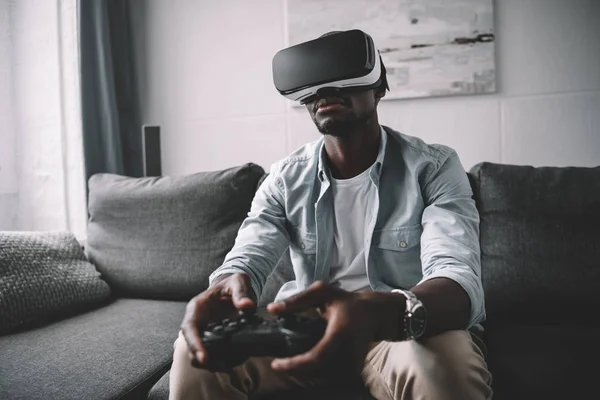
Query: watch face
[[418, 321]]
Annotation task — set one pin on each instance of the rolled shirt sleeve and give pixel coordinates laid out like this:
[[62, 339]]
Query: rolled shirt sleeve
[[262, 238], [450, 239]]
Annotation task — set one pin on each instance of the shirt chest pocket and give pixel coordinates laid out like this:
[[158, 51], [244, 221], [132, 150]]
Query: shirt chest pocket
[[401, 239], [397, 255]]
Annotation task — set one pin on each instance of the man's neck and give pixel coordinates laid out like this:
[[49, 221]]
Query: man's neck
[[351, 155]]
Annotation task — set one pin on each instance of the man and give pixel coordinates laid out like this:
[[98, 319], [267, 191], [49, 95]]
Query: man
[[365, 211]]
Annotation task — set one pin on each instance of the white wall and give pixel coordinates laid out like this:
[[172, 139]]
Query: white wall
[[205, 77]]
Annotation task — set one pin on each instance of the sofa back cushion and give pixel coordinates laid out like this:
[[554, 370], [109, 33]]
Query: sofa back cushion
[[540, 242], [44, 277], [161, 237]]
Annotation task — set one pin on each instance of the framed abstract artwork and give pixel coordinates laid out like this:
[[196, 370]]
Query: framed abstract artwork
[[429, 47]]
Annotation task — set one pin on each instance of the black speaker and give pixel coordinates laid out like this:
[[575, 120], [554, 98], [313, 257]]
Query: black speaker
[[151, 146]]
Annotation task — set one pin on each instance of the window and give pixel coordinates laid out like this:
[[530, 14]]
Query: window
[[41, 157]]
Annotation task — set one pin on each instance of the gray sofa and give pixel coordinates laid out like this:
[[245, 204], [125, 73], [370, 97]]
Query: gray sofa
[[152, 242]]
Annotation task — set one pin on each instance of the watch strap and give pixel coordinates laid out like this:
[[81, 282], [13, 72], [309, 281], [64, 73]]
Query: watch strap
[[411, 303]]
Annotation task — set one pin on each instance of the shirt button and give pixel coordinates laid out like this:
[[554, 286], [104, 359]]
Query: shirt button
[[302, 246], [402, 244]]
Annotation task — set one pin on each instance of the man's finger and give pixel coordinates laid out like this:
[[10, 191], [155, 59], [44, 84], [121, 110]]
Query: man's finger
[[316, 294], [194, 361], [316, 357], [240, 293], [190, 329]]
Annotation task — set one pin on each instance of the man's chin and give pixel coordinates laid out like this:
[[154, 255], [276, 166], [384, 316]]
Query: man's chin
[[335, 127]]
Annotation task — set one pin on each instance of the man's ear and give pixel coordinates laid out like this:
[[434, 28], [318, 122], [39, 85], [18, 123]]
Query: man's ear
[[379, 94]]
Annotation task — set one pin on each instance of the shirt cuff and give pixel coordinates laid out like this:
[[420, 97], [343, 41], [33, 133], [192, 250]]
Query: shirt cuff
[[472, 289]]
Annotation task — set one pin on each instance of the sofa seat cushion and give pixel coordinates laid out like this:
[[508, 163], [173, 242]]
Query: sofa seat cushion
[[540, 243], [44, 277], [161, 237], [160, 390], [543, 362], [115, 352]]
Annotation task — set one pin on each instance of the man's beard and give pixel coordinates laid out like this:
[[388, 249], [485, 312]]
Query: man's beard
[[346, 127]]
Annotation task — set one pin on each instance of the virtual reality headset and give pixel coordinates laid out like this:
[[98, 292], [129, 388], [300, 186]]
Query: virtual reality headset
[[340, 61]]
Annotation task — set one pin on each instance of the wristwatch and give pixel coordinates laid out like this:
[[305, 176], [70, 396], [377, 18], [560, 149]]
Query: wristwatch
[[415, 315]]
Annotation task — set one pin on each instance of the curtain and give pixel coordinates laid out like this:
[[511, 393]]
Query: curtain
[[112, 135], [68, 108], [42, 184], [9, 194]]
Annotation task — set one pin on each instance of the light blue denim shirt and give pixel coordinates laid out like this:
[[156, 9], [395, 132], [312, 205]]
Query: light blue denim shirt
[[424, 223]]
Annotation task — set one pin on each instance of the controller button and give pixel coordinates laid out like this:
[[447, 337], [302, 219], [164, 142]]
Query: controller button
[[247, 314], [218, 329], [225, 321]]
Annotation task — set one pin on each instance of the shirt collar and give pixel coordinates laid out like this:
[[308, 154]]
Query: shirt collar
[[322, 165]]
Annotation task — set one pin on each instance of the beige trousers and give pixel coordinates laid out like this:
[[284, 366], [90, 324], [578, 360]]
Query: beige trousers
[[447, 366]]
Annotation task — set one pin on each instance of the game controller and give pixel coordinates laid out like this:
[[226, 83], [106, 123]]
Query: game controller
[[230, 342]]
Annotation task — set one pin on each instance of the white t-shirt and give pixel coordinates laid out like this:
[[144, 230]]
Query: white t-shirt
[[352, 198]]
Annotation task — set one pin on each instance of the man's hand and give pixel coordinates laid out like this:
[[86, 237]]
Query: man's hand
[[354, 321], [222, 300]]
